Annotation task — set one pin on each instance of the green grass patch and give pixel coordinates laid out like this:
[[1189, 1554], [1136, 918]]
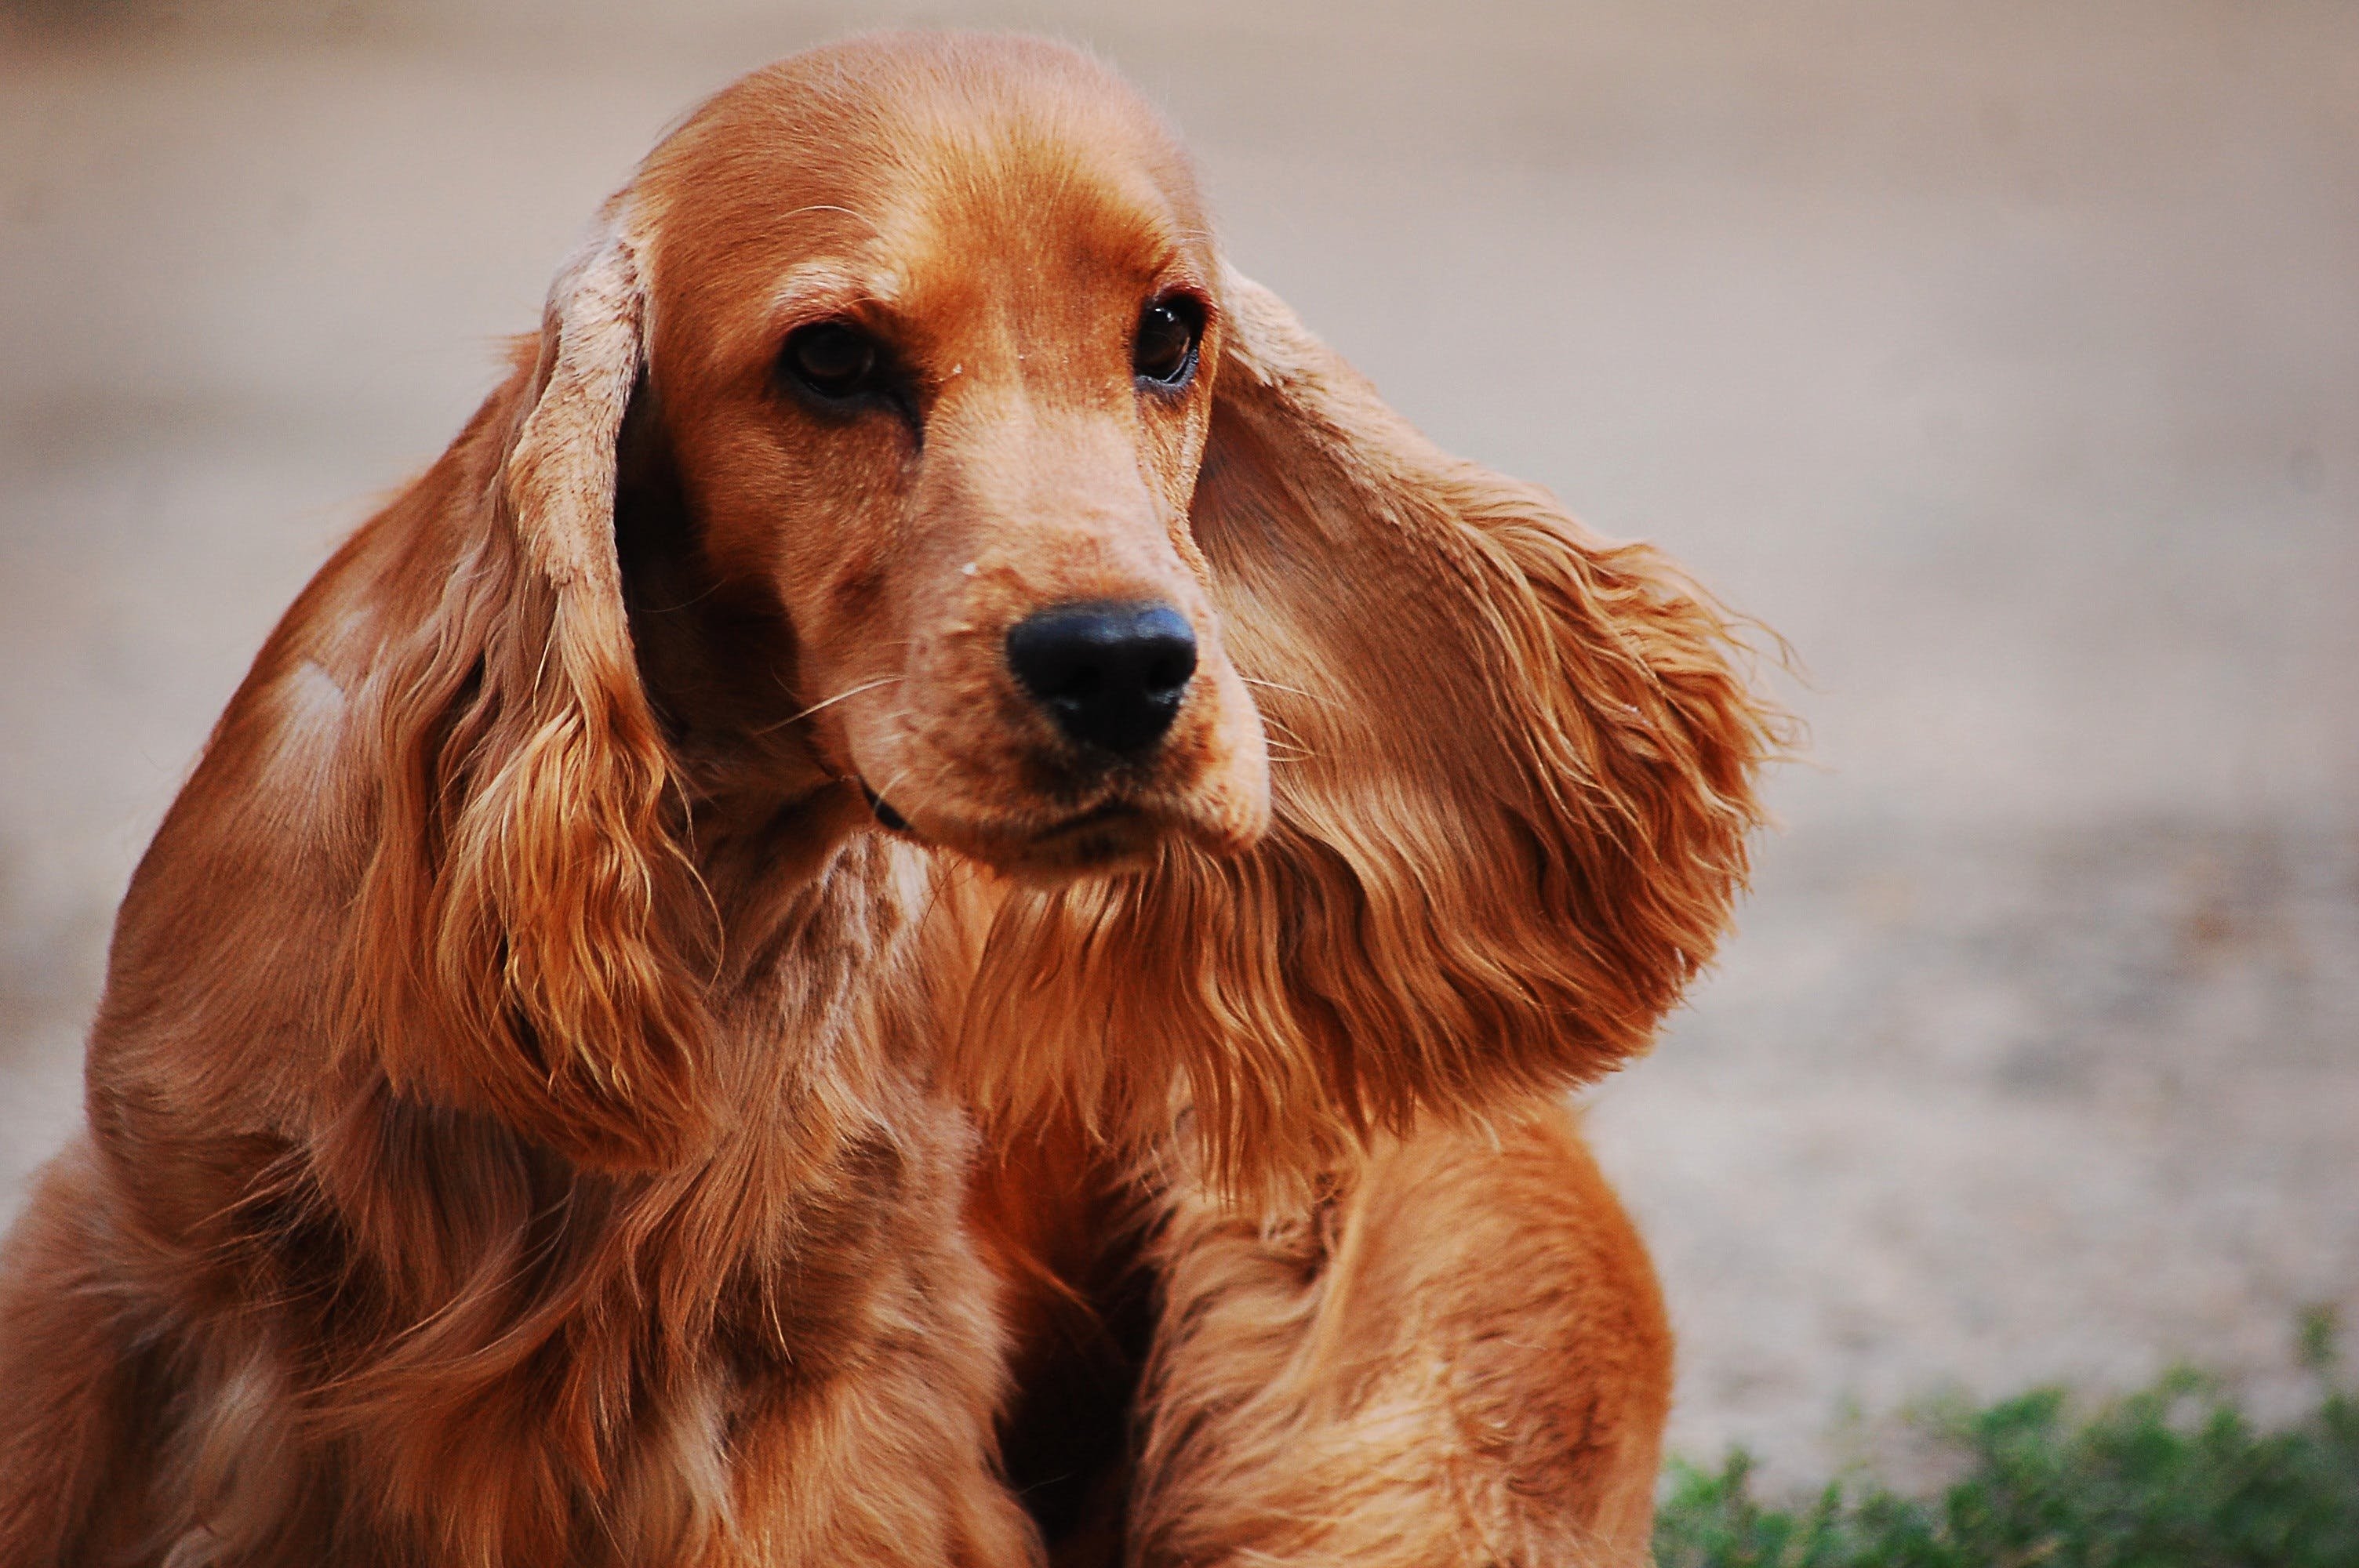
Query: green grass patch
[[2176, 1475]]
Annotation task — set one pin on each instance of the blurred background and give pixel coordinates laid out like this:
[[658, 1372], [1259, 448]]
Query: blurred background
[[2003, 356]]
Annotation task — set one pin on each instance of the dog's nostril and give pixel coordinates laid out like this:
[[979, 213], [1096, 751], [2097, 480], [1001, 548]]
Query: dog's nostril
[[1110, 675]]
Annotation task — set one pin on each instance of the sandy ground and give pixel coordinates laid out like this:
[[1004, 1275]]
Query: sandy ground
[[2004, 356]]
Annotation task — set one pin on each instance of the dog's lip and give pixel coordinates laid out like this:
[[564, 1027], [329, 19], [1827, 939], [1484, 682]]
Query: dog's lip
[[883, 810]]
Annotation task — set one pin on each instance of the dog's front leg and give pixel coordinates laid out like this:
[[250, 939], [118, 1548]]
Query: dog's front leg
[[1459, 1358]]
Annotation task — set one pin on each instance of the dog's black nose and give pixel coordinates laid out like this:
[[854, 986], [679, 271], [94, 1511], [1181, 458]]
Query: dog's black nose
[[1109, 675]]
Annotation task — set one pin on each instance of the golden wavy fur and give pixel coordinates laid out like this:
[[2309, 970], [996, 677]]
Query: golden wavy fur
[[642, 1042]]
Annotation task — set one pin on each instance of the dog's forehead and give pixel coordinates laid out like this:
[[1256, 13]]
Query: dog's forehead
[[922, 162]]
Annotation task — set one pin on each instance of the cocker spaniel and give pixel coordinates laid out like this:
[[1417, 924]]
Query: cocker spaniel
[[926, 904]]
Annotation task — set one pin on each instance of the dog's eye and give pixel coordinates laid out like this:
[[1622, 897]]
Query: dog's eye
[[1164, 352], [833, 360]]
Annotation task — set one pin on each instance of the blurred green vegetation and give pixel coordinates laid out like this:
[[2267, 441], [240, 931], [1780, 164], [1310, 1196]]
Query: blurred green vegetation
[[2176, 1475]]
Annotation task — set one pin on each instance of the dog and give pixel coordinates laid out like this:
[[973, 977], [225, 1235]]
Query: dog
[[927, 904]]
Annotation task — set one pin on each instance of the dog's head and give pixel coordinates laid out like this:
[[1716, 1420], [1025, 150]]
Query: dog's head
[[901, 452], [930, 331]]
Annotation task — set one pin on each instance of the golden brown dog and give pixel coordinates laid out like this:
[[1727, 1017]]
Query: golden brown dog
[[916, 646]]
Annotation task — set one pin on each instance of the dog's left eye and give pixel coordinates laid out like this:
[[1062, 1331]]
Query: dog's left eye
[[834, 360], [1164, 352]]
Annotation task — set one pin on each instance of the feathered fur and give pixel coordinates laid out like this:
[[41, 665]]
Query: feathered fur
[[640, 1041]]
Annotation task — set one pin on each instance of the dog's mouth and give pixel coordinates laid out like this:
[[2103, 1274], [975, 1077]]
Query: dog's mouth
[[883, 811], [999, 797]]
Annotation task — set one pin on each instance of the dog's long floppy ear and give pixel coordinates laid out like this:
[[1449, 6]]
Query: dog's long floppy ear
[[1513, 770], [526, 939]]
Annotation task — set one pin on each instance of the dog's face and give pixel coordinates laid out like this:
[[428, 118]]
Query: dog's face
[[934, 351], [871, 447]]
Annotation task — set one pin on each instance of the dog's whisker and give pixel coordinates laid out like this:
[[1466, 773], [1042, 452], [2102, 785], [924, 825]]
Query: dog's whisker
[[885, 795], [1286, 730], [831, 702], [1291, 691], [880, 803], [689, 603], [842, 696]]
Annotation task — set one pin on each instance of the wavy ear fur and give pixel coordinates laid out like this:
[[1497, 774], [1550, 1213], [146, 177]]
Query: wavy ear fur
[[1512, 778], [513, 947]]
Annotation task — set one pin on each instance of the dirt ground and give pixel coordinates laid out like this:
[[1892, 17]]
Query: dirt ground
[[2004, 356]]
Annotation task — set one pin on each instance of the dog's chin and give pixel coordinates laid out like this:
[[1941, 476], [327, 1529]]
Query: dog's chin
[[1104, 841], [1046, 851], [1108, 840]]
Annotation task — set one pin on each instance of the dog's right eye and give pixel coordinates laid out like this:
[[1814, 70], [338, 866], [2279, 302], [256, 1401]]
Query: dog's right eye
[[833, 360]]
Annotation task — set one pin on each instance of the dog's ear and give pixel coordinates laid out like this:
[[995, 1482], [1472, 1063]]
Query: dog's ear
[[1513, 774], [525, 941]]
